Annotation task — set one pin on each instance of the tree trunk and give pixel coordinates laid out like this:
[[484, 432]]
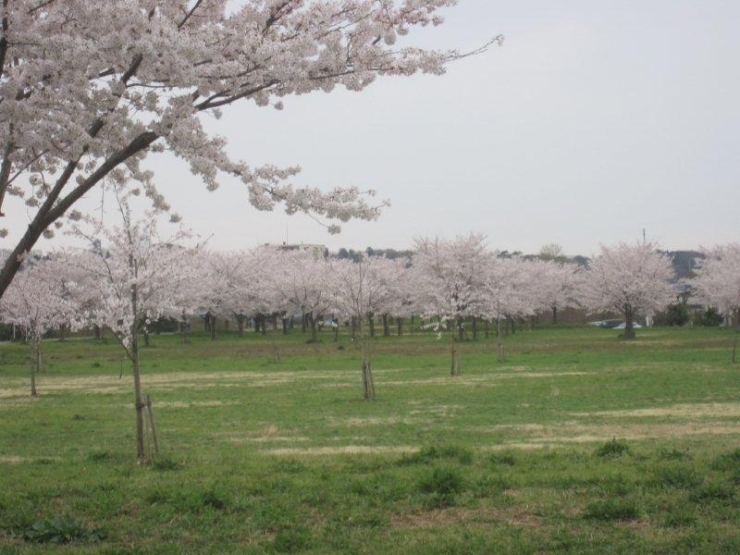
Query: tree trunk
[[312, 324], [475, 328], [285, 326], [371, 323], [35, 364], [139, 402], [737, 332], [455, 367], [240, 319], [629, 328], [399, 326], [554, 314], [386, 326], [184, 328], [353, 322], [459, 327], [213, 327]]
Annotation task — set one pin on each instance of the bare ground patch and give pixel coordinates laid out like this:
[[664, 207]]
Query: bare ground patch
[[478, 380], [188, 404], [533, 436], [686, 410], [343, 450], [513, 516], [113, 384], [362, 422], [270, 433], [15, 459]]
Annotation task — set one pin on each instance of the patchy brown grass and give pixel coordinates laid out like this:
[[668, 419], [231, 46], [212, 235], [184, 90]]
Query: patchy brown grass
[[692, 410], [538, 436], [514, 516], [343, 450]]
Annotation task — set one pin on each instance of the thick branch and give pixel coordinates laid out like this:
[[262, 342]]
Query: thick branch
[[5, 172], [4, 38], [139, 144], [49, 212], [189, 14]]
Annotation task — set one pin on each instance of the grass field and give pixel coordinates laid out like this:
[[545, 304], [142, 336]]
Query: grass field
[[578, 443]]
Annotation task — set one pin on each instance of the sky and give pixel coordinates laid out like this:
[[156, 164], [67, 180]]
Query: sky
[[596, 122]]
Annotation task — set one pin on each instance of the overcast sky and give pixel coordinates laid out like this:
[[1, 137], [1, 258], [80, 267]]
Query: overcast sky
[[596, 120]]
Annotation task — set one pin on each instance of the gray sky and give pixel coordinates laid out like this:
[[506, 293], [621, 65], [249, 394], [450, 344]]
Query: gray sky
[[595, 120]]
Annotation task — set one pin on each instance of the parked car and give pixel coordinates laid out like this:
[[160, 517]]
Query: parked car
[[613, 324]]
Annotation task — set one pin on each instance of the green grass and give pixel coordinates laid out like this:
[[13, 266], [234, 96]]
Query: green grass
[[578, 443]]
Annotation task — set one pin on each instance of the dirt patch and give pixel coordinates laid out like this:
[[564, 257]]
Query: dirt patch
[[485, 380], [695, 410], [343, 450], [188, 404], [267, 439], [362, 422], [113, 384], [551, 436], [469, 518], [14, 459]]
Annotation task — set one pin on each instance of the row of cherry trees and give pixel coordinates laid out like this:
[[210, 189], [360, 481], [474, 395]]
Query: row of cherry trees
[[135, 275], [447, 283]]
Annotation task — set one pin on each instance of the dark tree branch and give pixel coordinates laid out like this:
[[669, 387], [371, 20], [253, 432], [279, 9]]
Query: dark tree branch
[[189, 14]]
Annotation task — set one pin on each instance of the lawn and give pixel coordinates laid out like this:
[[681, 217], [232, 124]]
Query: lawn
[[578, 442]]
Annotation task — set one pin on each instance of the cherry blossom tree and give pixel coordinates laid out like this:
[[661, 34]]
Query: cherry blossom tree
[[304, 284], [232, 284], [137, 275], [558, 284], [449, 279], [629, 279], [509, 292], [393, 291], [38, 301], [717, 283], [89, 89], [357, 293]]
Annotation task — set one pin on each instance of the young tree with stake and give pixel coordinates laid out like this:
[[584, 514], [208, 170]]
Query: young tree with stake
[[449, 277], [137, 276]]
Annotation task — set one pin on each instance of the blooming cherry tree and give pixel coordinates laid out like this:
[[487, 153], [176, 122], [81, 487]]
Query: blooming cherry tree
[[37, 302], [89, 89], [449, 276], [137, 276], [558, 285], [629, 279], [304, 283], [717, 282], [508, 289]]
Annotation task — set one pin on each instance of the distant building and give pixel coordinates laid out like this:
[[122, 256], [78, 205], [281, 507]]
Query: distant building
[[319, 251]]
